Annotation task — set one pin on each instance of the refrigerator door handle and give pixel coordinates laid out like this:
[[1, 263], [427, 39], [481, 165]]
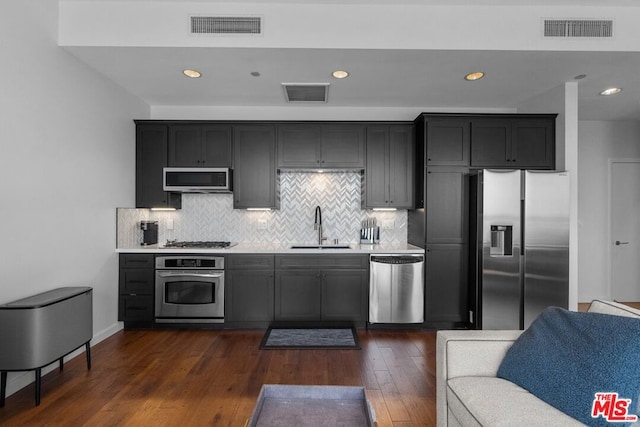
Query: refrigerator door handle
[[618, 243]]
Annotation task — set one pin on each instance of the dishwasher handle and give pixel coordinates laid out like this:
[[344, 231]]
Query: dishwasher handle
[[397, 259]]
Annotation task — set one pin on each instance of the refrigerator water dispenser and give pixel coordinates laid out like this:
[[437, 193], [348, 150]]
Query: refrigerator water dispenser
[[501, 240]]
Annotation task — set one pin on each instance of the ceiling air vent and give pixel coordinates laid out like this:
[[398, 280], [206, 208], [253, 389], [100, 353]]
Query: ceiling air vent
[[226, 25], [578, 28], [305, 92]]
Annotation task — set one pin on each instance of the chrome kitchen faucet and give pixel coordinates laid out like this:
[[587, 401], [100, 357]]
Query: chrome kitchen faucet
[[317, 225]]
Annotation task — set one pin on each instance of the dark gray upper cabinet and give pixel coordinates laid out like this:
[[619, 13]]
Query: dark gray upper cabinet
[[533, 143], [151, 157], [199, 145], [440, 141], [491, 146], [519, 143], [447, 142], [299, 145], [255, 181], [321, 145], [447, 204], [389, 167]]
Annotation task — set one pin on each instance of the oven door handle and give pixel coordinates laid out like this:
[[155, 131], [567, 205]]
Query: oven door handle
[[207, 276]]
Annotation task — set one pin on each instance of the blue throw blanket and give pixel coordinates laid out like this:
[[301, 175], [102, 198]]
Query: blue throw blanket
[[565, 358]]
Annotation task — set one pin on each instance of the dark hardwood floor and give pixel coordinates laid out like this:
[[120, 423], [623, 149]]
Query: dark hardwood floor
[[212, 378]]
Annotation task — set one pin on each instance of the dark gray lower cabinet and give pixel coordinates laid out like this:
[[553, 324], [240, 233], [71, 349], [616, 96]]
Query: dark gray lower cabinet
[[249, 289], [248, 296], [136, 289], [298, 295], [446, 285], [345, 295], [308, 288], [322, 295]]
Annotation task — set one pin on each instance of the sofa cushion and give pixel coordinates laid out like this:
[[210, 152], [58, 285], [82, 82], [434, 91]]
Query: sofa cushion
[[565, 358], [490, 401]]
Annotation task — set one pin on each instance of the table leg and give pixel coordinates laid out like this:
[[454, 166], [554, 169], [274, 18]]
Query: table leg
[[3, 387], [88, 351], [38, 385]]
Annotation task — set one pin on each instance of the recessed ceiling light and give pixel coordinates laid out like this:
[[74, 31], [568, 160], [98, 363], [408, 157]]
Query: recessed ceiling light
[[340, 74], [610, 91], [474, 76], [580, 77], [194, 74], [255, 74]]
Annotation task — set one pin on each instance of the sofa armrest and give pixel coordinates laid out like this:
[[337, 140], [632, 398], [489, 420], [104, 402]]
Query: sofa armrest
[[467, 353], [612, 307]]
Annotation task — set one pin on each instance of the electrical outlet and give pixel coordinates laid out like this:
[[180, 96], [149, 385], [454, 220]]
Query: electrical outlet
[[262, 224], [388, 224], [169, 223]]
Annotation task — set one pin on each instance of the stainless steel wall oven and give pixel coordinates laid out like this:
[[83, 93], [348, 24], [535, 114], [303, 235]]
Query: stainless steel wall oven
[[189, 289]]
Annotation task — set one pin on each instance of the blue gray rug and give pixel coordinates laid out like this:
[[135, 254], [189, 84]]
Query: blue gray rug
[[316, 338]]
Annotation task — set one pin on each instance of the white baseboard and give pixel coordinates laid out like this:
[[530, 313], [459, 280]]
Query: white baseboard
[[19, 380]]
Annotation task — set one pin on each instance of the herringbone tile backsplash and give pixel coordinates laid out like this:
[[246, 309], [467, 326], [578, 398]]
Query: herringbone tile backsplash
[[212, 217]]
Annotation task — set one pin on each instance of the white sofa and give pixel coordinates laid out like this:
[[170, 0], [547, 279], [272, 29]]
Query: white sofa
[[468, 393]]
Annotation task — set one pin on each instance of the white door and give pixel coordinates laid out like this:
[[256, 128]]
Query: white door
[[625, 230]]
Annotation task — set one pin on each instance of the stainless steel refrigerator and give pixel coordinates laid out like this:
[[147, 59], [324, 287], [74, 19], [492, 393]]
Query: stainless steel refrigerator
[[519, 246]]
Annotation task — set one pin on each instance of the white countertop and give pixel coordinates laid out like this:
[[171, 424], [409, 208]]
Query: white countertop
[[281, 248]]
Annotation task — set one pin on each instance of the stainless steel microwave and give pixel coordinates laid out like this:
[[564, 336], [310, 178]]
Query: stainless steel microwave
[[197, 180]]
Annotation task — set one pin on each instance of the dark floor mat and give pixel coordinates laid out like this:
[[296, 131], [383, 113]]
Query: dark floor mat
[[316, 338]]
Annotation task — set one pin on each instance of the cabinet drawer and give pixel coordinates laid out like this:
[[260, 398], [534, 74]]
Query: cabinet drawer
[[134, 308], [250, 262], [137, 261], [322, 261], [137, 281]]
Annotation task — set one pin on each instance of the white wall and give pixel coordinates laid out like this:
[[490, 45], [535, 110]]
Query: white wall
[[67, 141], [599, 142]]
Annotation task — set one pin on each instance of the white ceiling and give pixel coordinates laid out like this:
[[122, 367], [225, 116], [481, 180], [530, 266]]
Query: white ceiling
[[428, 80]]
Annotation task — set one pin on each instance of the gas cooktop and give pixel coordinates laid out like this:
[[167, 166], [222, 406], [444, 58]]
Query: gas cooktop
[[197, 244]]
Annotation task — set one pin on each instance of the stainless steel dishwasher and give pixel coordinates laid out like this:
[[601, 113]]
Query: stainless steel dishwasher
[[396, 289]]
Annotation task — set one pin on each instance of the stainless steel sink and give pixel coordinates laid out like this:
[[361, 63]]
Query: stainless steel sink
[[320, 247]]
